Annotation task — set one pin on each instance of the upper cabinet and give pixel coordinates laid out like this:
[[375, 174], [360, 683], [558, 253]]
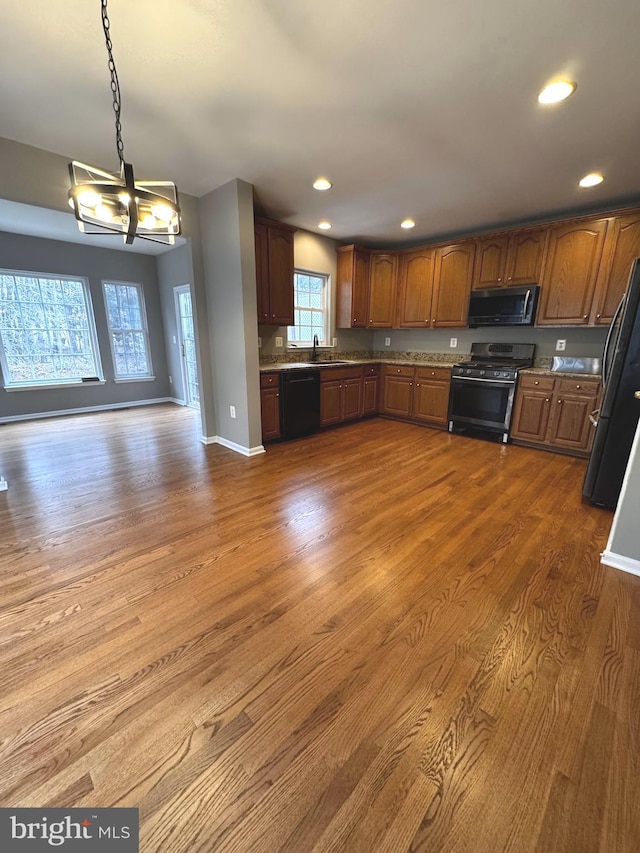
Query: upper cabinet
[[509, 259], [352, 288], [416, 288], [452, 285], [621, 248], [274, 272], [570, 272], [382, 293]]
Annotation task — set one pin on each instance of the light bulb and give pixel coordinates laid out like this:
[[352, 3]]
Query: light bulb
[[591, 180], [324, 226], [149, 221], [124, 198], [322, 184], [162, 212], [89, 198], [408, 223], [104, 213], [556, 92]]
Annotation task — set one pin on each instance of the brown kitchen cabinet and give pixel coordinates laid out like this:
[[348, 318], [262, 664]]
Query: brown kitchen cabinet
[[415, 289], [352, 311], [341, 395], [554, 413], [622, 247], [416, 393], [274, 272], [270, 405], [505, 260], [382, 289], [570, 272], [431, 395], [370, 389], [452, 284]]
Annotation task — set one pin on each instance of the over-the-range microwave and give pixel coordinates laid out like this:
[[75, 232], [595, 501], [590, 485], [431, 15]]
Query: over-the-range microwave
[[504, 306]]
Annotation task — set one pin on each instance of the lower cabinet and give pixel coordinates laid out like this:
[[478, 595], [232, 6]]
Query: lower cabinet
[[270, 405], [416, 393], [371, 389], [341, 395], [554, 413]]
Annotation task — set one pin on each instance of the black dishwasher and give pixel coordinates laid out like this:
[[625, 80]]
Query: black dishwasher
[[299, 402]]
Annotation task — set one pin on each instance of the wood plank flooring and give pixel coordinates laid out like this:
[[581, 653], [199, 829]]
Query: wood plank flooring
[[379, 638]]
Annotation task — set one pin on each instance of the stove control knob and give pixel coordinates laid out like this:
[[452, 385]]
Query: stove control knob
[[468, 372], [483, 372]]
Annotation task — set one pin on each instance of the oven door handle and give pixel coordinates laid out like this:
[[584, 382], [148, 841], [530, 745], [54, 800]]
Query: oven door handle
[[476, 379]]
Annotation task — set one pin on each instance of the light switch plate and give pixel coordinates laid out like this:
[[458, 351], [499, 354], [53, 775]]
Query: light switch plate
[[278, 341], [561, 346], [232, 411], [335, 342], [453, 343], [387, 342]]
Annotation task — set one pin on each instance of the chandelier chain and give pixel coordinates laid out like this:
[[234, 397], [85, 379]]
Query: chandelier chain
[[115, 84]]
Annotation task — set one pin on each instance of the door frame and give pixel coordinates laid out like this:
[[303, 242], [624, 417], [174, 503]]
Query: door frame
[[177, 290]]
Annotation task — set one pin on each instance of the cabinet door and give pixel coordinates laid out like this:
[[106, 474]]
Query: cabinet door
[[531, 414], [352, 288], [330, 398], [570, 272], [352, 404], [431, 400], [452, 285], [572, 404], [396, 396], [262, 272], [490, 262], [416, 288], [621, 249], [270, 403], [280, 277], [382, 293], [370, 404], [525, 257]]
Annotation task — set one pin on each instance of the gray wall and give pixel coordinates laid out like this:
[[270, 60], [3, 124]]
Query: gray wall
[[34, 254], [174, 269], [226, 217], [624, 540], [580, 342]]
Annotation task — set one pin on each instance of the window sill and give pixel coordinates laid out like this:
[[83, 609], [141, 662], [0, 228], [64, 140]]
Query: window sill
[[319, 348], [48, 385], [135, 379]]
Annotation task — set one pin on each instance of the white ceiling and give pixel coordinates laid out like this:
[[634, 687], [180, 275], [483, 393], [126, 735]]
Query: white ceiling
[[411, 108]]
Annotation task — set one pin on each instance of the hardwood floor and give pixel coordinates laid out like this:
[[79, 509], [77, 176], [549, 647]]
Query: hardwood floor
[[379, 638]]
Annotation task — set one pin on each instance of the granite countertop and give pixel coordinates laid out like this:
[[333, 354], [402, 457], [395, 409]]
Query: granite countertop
[[558, 374], [356, 362]]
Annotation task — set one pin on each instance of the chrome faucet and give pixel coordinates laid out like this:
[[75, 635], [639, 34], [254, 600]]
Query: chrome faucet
[[314, 354]]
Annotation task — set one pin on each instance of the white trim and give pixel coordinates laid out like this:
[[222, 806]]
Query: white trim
[[231, 445], [84, 410], [176, 401], [144, 328], [619, 561], [55, 385], [135, 379]]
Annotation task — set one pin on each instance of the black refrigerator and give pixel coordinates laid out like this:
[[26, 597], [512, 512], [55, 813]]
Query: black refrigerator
[[620, 408]]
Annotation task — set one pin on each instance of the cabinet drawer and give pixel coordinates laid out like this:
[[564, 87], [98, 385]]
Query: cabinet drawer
[[588, 387], [443, 373], [399, 370], [537, 383], [269, 380], [332, 373], [371, 370]]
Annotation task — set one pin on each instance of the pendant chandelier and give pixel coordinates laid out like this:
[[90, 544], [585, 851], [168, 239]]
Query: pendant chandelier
[[114, 202]]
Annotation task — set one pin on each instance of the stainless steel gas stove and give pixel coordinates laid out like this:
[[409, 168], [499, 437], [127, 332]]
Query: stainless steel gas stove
[[483, 388]]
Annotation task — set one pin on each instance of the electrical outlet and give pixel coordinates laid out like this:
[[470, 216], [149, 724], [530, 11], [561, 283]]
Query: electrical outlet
[[278, 341], [259, 342], [387, 342], [232, 411], [174, 340], [453, 343], [561, 346], [335, 342], [170, 381]]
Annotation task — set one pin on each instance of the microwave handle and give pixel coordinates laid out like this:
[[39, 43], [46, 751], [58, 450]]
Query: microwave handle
[[526, 301]]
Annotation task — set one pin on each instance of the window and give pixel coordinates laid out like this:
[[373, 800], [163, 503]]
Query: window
[[127, 322], [311, 311], [47, 333]]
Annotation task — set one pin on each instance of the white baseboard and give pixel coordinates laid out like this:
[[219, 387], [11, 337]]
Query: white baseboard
[[176, 401], [86, 410], [619, 561], [231, 445]]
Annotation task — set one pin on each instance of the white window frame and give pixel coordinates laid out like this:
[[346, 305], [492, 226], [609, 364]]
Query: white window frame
[[326, 310], [129, 377], [32, 385]]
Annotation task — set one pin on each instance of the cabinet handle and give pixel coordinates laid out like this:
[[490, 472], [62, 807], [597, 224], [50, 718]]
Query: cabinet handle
[[355, 319], [508, 278], [585, 316], [598, 316], [433, 373], [547, 400], [277, 395], [559, 401], [578, 387], [636, 394], [499, 279], [536, 382], [410, 384], [434, 319]]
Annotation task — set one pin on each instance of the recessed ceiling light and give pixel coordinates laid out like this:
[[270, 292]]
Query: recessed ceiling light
[[556, 92], [591, 180], [324, 225], [408, 223], [322, 184]]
